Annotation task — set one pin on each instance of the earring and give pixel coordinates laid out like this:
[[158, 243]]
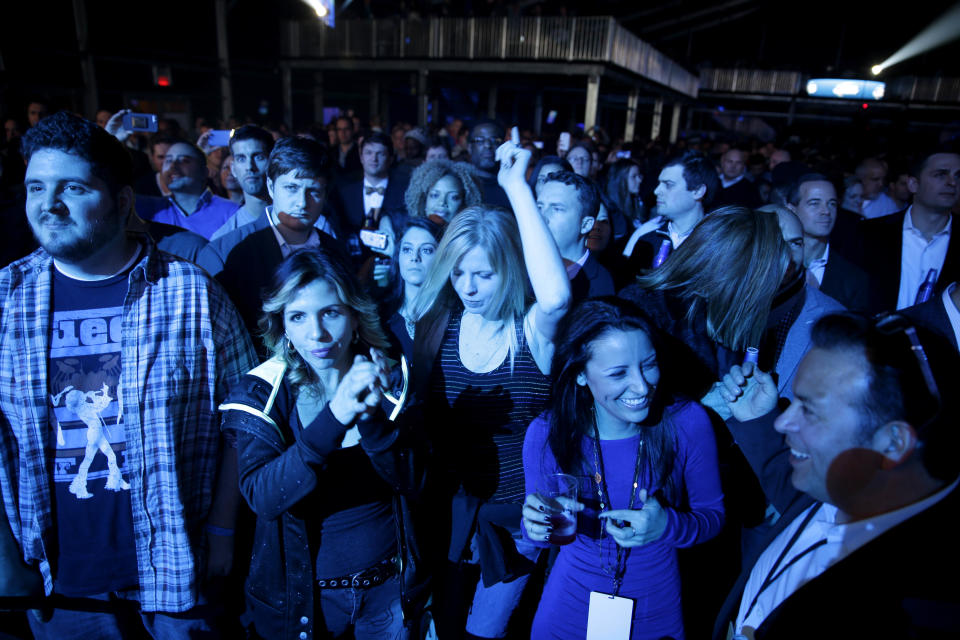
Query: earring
[[581, 380], [356, 336]]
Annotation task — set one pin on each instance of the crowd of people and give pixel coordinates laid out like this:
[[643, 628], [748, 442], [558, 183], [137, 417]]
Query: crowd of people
[[463, 382]]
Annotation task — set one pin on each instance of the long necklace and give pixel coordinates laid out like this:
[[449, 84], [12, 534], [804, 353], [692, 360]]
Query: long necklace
[[603, 493]]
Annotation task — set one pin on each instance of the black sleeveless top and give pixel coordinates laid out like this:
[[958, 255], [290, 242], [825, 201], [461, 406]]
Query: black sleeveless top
[[481, 418]]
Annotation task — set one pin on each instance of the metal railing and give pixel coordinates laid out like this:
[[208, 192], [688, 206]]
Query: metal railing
[[787, 83], [792, 83], [579, 39]]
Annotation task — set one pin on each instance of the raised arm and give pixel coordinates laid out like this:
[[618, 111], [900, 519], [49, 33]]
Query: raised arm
[[551, 287]]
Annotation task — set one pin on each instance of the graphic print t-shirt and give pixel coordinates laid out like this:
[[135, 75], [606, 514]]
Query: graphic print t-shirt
[[94, 521]]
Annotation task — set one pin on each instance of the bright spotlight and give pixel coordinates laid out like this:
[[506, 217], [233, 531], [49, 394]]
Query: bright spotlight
[[876, 69], [319, 7], [944, 29]]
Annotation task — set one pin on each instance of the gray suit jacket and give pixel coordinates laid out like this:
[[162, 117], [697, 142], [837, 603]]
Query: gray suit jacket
[[816, 305]]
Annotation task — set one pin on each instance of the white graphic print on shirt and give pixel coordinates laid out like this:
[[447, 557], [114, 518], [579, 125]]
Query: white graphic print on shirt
[[84, 391]]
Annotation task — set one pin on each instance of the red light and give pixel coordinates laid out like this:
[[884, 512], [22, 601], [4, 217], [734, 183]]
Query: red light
[[865, 106], [164, 81]]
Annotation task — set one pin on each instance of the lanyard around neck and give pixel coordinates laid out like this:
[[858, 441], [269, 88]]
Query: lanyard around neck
[[774, 574], [601, 479]]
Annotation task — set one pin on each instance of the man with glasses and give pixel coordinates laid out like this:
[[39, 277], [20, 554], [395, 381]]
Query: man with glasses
[[482, 144], [863, 468]]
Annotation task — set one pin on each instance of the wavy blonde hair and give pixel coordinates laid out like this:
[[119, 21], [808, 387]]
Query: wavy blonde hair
[[427, 175], [495, 231], [730, 266], [293, 274]]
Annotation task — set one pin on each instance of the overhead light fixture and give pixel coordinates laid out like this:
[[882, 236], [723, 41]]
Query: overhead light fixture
[[876, 69]]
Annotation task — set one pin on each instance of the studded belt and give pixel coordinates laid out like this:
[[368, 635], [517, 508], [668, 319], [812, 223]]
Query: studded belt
[[372, 577]]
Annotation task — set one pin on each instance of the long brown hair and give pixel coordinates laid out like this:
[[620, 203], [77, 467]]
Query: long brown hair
[[730, 266]]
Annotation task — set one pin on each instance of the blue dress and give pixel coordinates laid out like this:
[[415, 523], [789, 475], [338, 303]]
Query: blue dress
[[652, 577]]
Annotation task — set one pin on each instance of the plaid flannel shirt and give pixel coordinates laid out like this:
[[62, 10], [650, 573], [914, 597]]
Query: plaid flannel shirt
[[182, 346]]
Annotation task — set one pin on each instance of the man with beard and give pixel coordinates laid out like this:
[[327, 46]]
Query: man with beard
[[250, 147], [113, 359], [190, 205]]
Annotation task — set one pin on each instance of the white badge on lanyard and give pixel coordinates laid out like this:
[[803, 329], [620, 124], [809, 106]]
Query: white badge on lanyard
[[609, 617]]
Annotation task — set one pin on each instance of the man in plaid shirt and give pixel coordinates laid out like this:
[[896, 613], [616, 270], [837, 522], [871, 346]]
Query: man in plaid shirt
[[114, 356]]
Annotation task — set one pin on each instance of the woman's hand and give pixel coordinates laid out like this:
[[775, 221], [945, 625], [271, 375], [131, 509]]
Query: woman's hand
[[538, 515], [360, 390], [514, 160], [640, 526]]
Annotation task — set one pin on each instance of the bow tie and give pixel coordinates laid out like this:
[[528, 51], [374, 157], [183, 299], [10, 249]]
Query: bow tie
[[367, 190]]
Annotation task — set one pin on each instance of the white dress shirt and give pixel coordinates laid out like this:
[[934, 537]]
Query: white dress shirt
[[882, 205], [918, 256], [841, 541], [819, 266], [726, 184]]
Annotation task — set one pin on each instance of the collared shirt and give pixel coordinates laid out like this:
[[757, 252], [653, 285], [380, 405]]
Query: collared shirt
[[918, 256], [842, 539], [882, 205], [574, 267], [675, 236], [170, 393], [313, 241], [952, 312], [819, 265], [372, 200], [729, 183], [211, 213]]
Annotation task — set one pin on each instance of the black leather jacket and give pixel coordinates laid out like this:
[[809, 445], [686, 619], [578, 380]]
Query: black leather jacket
[[278, 468]]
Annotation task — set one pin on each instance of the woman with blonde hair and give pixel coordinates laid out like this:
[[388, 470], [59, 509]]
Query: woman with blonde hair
[[321, 464], [440, 188], [482, 352]]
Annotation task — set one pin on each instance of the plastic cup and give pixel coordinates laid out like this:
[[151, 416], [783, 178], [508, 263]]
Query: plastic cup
[[560, 495]]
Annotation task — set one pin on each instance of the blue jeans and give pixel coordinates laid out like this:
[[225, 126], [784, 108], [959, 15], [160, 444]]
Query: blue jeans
[[123, 620], [374, 613], [492, 606]]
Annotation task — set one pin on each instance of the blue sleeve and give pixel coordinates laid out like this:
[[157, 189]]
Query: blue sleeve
[[538, 461], [697, 461]]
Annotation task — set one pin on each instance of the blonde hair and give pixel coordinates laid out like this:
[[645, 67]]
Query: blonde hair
[[730, 266], [427, 175], [495, 231], [297, 271]]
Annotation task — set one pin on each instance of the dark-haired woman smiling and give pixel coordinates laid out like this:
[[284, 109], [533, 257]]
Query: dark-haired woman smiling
[[646, 464]]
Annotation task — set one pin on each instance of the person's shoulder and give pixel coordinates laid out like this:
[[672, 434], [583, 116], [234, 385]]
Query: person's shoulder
[[167, 269], [883, 223], [690, 418], [821, 301], [220, 201], [538, 429], [257, 385], [18, 270]]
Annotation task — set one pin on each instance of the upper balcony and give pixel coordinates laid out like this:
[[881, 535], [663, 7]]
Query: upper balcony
[[532, 45]]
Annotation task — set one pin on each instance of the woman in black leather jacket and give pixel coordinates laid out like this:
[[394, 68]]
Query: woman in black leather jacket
[[322, 465]]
